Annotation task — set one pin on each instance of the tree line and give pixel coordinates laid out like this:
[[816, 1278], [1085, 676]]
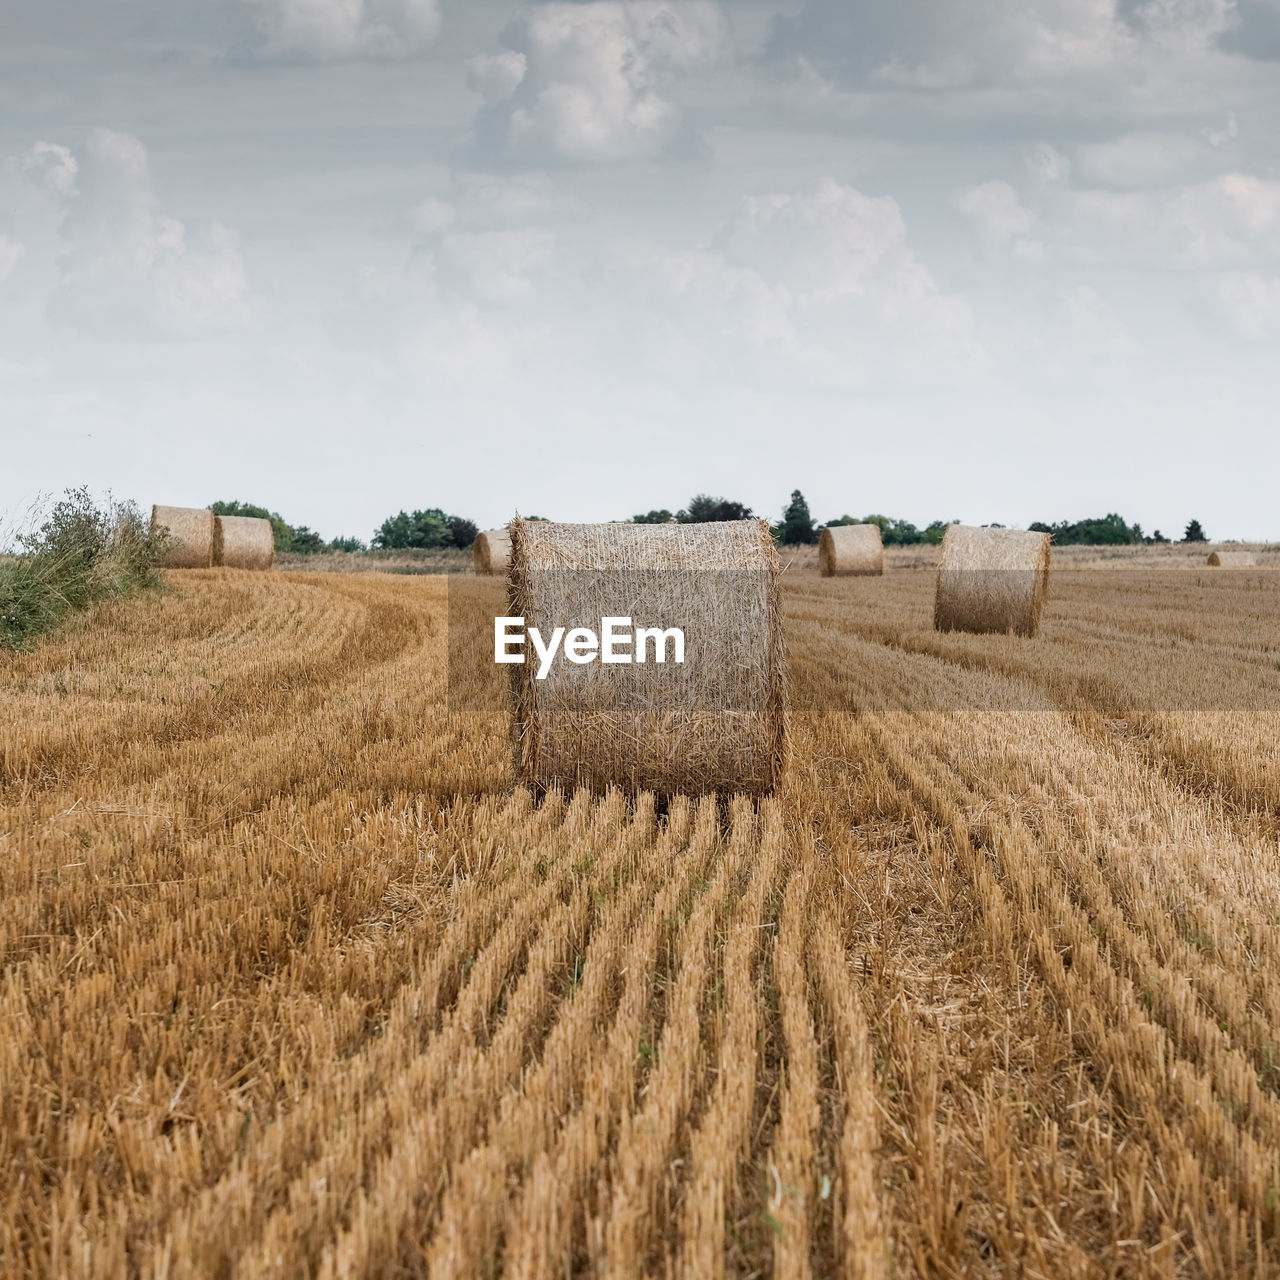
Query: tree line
[[434, 529]]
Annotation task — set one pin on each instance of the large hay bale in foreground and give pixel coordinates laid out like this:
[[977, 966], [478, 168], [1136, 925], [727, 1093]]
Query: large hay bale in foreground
[[190, 544], [717, 722], [491, 551], [991, 580], [851, 550], [243, 542], [1232, 559]]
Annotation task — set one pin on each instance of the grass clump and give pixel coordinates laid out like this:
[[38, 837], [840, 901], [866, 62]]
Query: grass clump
[[78, 554]]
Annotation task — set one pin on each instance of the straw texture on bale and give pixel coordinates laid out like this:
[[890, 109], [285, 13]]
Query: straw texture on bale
[[491, 551], [991, 580], [717, 722], [190, 544], [851, 549], [1232, 559], [243, 542]]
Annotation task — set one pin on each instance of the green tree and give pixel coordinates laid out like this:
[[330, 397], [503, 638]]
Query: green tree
[[346, 544], [1096, 531], [428, 530], [662, 516], [306, 541], [1194, 533], [797, 527], [703, 508], [462, 532]]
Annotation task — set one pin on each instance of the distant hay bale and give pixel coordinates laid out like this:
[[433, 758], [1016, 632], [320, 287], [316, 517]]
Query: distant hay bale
[[851, 550], [491, 551], [991, 580], [1232, 559], [190, 544], [715, 723], [243, 542]]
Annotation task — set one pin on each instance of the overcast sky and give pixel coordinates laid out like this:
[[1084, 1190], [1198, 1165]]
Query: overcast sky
[[996, 260]]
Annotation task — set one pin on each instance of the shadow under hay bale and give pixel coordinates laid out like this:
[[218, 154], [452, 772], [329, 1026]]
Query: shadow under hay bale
[[243, 542], [491, 551], [991, 580], [1232, 559], [715, 723], [191, 536], [851, 550]]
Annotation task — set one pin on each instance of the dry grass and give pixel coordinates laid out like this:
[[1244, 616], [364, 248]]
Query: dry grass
[[294, 982], [408, 561]]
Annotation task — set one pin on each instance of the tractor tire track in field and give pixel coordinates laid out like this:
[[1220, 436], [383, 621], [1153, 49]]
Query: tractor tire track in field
[[1216, 1090]]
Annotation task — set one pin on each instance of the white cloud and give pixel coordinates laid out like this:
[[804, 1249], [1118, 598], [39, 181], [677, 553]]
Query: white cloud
[[1230, 221], [494, 242], [1233, 219], [1185, 23], [1001, 219], [512, 200], [1121, 263], [820, 244], [1142, 159], [496, 268], [1228, 132], [50, 166], [1096, 331], [489, 201], [496, 75], [333, 29], [1047, 165], [932, 44], [122, 263], [1251, 304], [818, 285], [817, 288], [594, 80], [432, 216], [1071, 59], [11, 253]]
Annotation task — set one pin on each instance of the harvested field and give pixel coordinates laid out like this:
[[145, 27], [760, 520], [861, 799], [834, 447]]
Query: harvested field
[[408, 560], [294, 983]]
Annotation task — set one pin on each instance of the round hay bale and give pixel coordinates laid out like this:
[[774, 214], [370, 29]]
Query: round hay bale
[[991, 580], [853, 550], [1232, 559], [190, 544], [717, 722], [243, 542], [491, 551]]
